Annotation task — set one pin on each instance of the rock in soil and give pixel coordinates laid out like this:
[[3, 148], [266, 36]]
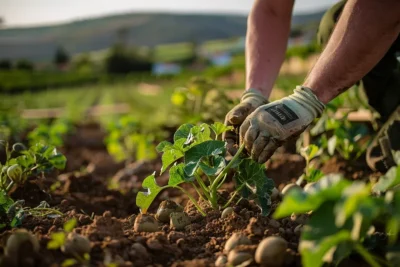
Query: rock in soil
[[237, 257], [165, 209], [271, 251], [179, 220], [145, 223], [235, 240], [227, 212]]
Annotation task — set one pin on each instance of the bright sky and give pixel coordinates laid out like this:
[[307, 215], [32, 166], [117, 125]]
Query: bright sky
[[25, 12]]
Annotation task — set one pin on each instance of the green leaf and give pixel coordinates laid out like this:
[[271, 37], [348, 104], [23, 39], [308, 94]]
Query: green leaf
[[198, 134], [5, 200], [220, 128], [252, 175], [57, 240], [144, 199], [310, 152], [169, 157], [213, 165], [70, 224], [195, 154], [58, 161], [163, 145], [314, 175], [328, 188], [69, 262], [177, 175], [183, 132], [388, 181]]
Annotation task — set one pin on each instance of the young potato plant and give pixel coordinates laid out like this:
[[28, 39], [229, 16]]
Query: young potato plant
[[344, 216], [51, 134], [71, 244], [197, 152], [126, 141], [200, 101], [311, 174], [22, 163], [348, 139]]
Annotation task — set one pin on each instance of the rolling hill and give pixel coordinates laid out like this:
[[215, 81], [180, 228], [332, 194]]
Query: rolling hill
[[140, 29]]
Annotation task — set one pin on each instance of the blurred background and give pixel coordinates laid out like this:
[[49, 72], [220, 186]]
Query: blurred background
[[162, 63]]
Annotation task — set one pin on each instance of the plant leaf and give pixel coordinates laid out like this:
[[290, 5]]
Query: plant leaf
[[327, 188], [58, 161], [310, 152], [388, 181], [177, 175], [57, 240], [206, 149], [144, 199], [70, 224], [171, 154], [314, 175], [219, 128], [183, 132], [69, 262], [252, 175], [332, 145], [213, 165], [163, 145]]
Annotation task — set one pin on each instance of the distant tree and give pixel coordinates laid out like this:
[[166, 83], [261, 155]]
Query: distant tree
[[119, 61], [61, 56], [24, 64], [2, 22], [5, 64]]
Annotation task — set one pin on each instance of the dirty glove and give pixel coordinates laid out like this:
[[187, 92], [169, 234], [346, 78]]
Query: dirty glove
[[251, 99], [269, 126]]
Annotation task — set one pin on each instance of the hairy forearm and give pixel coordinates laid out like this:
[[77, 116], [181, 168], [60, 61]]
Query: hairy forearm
[[363, 34], [267, 35]]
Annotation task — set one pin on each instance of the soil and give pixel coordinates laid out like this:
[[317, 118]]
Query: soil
[[100, 193]]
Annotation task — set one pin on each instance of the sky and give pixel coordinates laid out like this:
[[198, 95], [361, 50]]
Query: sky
[[37, 12]]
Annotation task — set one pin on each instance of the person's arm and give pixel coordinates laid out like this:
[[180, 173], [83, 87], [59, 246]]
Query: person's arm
[[268, 30], [363, 34]]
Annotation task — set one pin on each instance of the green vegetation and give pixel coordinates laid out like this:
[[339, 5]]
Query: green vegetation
[[204, 155]]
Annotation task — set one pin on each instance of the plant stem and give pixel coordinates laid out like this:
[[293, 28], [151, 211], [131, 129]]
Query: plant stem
[[202, 185], [193, 200], [366, 255], [198, 192], [233, 196], [226, 169], [47, 209], [222, 181], [10, 185]]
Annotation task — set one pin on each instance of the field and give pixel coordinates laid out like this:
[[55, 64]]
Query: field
[[83, 173]]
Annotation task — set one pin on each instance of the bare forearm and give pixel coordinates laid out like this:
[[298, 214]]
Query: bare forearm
[[267, 35], [364, 33]]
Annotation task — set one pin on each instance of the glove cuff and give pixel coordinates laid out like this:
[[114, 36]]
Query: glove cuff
[[254, 97], [305, 97]]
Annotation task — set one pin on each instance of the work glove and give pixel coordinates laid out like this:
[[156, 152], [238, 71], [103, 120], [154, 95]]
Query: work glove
[[270, 125], [251, 99]]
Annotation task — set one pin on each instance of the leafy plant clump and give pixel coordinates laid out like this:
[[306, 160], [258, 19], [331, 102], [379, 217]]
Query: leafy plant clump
[[197, 153], [51, 134], [22, 163], [344, 217]]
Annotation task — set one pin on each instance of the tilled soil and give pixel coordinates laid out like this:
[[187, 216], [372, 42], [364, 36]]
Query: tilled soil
[[100, 194]]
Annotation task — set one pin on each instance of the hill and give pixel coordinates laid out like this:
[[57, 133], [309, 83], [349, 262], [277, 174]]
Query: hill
[[140, 29]]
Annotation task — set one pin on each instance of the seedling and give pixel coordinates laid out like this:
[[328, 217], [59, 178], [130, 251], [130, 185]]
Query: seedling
[[51, 134], [22, 163], [195, 153], [311, 174], [127, 141], [343, 214], [71, 244]]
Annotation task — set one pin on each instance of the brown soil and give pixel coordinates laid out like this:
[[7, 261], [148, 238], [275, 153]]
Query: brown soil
[[100, 194]]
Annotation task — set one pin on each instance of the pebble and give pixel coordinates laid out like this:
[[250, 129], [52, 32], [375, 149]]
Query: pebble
[[236, 258], [271, 252], [275, 196], [179, 220], [297, 230], [227, 212], [145, 223], [221, 261], [154, 244], [235, 240], [165, 209]]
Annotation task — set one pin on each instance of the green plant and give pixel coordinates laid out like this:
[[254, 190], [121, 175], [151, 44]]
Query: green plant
[[61, 240], [349, 139], [22, 163], [196, 153], [51, 134], [343, 219], [200, 101], [311, 174], [126, 140]]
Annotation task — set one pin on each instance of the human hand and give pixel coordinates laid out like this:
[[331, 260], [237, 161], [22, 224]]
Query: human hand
[[251, 99], [270, 125]]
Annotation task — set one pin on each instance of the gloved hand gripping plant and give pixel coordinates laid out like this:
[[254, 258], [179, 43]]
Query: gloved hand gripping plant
[[196, 153]]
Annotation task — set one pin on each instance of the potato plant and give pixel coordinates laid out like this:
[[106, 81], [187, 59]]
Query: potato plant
[[127, 141], [197, 153], [51, 134], [311, 174], [344, 216], [22, 163]]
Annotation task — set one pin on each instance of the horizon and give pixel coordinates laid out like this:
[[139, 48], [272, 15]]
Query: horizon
[[80, 14]]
